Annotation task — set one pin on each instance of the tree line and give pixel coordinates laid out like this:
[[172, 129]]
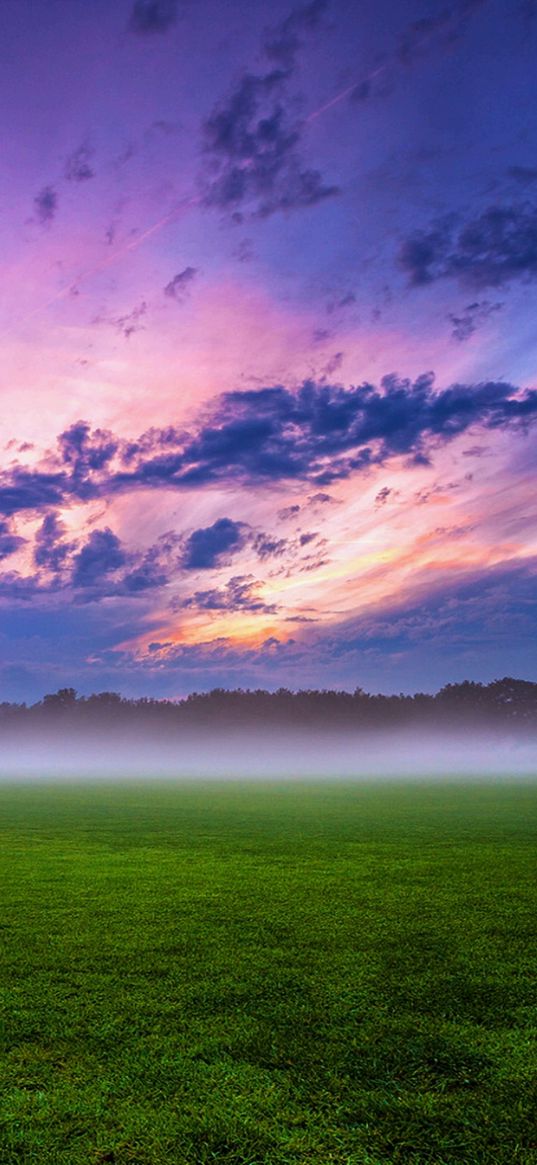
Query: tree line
[[503, 703]]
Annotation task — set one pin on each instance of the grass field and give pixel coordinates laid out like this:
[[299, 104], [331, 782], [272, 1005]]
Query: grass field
[[263, 975]]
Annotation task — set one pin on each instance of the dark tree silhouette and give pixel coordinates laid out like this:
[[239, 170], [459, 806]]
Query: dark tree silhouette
[[504, 705]]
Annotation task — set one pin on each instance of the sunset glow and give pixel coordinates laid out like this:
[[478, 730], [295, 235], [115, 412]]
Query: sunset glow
[[268, 345]]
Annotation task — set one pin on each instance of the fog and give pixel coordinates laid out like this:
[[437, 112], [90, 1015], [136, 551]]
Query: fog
[[46, 755]]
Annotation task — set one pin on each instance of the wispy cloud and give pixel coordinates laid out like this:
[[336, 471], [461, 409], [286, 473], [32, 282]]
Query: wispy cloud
[[492, 249], [46, 205]]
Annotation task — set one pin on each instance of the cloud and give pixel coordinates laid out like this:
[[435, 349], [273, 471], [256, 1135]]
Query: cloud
[[319, 434], [9, 541], [15, 586], [46, 205], [473, 317], [251, 140], [85, 450], [383, 495], [50, 549], [283, 42], [153, 569], [346, 300], [128, 324], [490, 250], [28, 489], [153, 16], [289, 512], [101, 554], [241, 593], [213, 545], [78, 166], [482, 607], [252, 148], [96, 568], [222, 654], [324, 432], [179, 286], [420, 37], [266, 546], [444, 28], [321, 499]]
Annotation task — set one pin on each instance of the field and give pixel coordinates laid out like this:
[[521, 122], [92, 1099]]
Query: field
[[268, 975]]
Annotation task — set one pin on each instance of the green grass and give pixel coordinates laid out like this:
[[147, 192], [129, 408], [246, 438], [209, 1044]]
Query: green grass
[[268, 975]]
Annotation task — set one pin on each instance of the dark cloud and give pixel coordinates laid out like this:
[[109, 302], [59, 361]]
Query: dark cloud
[[128, 575], [332, 365], [325, 432], [213, 545], [284, 41], [383, 495], [241, 593], [50, 549], [319, 335], [9, 541], [253, 150], [101, 554], [128, 324], [85, 452], [267, 547], [490, 250], [345, 301], [473, 317], [153, 16], [424, 496], [147, 575], [15, 587], [438, 32], [319, 433], [179, 286], [46, 204], [481, 607], [78, 166], [300, 619], [288, 512], [420, 253], [96, 568], [442, 29], [476, 451], [222, 654], [31, 489], [321, 499]]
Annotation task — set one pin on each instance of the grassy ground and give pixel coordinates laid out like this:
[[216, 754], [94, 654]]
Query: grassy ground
[[268, 975]]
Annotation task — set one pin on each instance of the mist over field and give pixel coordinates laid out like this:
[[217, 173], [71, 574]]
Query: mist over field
[[263, 754]]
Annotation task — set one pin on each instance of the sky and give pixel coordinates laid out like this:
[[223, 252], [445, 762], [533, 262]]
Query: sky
[[269, 375]]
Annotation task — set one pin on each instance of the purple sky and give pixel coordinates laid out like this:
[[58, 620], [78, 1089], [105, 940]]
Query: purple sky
[[268, 313]]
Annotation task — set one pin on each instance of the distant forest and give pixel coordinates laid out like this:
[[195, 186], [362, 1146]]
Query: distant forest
[[506, 704]]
